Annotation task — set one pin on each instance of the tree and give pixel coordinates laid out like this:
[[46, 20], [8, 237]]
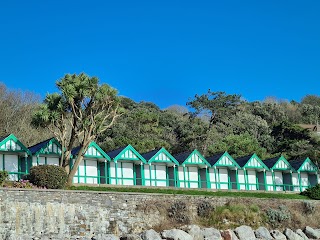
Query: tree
[[82, 111], [238, 146], [213, 106]]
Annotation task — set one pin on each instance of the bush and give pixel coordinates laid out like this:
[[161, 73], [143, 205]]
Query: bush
[[48, 176], [178, 212], [309, 207], [313, 192], [204, 209], [3, 177], [277, 216]]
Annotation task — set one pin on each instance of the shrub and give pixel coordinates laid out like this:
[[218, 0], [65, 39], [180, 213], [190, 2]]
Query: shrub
[[178, 212], [309, 207], [48, 176], [277, 216], [3, 176], [233, 215], [312, 192], [204, 209]]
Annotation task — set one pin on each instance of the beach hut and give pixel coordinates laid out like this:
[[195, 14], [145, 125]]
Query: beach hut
[[46, 152], [305, 175], [13, 157], [192, 170], [160, 169], [223, 173], [279, 178], [252, 175], [93, 168], [126, 167]]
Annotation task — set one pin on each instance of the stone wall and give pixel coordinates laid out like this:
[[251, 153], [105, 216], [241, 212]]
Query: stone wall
[[75, 214]]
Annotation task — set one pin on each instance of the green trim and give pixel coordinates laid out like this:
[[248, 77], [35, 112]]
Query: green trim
[[96, 146], [164, 151], [3, 162], [282, 158], [143, 180], [129, 147], [237, 179], [226, 154], [313, 165], [215, 177], [42, 150], [196, 152], [255, 156], [16, 140]]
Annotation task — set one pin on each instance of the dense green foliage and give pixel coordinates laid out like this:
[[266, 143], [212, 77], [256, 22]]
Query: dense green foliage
[[3, 176], [48, 176], [313, 192], [213, 122]]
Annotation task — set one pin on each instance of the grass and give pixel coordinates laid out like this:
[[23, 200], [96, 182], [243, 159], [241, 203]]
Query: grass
[[232, 216], [193, 192]]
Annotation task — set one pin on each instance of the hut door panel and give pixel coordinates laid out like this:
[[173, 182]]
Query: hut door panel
[[147, 175], [269, 181], [127, 172], [161, 175], [53, 161], [278, 181], [224, 178], [182, 178], [212, 178], [241, 179], [287, 181], [193, 177], [304, 180], [261, 181], [252, 180], [11, 164], [233, 179], [112, 173], [171, 173], [91, 171], [312, 179], [295, 182]]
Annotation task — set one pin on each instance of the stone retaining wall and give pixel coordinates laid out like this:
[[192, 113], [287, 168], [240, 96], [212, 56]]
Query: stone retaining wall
[[76, 214]]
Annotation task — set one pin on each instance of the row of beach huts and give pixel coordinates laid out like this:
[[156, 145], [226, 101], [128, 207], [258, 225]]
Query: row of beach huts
[[126, 166]]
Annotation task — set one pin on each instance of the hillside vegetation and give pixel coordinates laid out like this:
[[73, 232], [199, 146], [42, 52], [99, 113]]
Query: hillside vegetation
[[213, 122]]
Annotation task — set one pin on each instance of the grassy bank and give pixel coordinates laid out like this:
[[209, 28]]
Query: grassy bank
[[252, 194]]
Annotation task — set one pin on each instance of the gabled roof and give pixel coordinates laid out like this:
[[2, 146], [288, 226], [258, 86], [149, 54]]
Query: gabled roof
[[222, 160], [305, 165], [98, 152], [278, 163], [115, 152], [126, 153], [159, 155], [4, 137], [14, 144], [35, 148], [191, 158], [41, 147], [242, 161], [251, 161], [214, 158], [271, 161]]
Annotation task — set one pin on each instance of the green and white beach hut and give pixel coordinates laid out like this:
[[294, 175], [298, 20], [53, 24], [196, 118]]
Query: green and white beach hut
[[46, 152], [160, 169], [126, 167], [279, 178], [223, 173], [192, 170], [93, 169], [305, 175], [252, 175], [13, 157]]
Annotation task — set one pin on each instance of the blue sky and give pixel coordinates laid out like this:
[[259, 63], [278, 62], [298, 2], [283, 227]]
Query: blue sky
[[164, 51]]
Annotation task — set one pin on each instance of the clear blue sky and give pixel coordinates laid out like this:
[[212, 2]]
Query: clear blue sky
[[164, 51]]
